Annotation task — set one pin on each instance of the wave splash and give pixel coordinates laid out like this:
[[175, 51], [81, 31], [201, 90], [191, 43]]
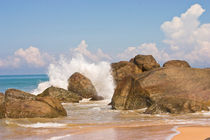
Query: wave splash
[[98, 73]]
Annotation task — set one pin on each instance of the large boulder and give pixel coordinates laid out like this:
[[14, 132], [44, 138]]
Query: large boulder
[[2, 107], [129, 95], [81, 85], [122, 69], [145, 62], [188, 83], [172, 89], [176, 63], [62, 95], [19, 104]]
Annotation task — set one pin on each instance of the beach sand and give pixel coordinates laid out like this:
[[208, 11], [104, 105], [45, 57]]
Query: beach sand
[[193, 133]]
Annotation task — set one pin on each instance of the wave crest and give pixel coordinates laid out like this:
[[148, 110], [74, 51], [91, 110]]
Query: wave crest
[[99, 73]]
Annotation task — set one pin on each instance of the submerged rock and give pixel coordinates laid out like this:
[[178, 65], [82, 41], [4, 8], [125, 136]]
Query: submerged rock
[[61, 94], [2, 107], [145, 62], [19, 104], [177, 63], [172, 89], [122, 69], [81, 85]]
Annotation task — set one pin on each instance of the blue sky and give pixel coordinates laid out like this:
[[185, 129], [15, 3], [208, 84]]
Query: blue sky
[[56, 26]]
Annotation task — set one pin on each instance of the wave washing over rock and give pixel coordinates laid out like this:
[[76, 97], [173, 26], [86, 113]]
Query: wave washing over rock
[[98, 73]]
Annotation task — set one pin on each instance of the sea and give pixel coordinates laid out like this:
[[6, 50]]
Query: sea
[[89, 120], [23, 82]]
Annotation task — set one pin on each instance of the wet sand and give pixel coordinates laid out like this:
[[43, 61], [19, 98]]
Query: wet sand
[[193, 133], [93, 131], [120, 133]]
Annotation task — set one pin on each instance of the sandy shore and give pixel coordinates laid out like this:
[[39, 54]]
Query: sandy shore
[[193, 133]]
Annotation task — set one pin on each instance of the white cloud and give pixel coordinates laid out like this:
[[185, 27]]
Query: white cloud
[[31, 56], [145, 49], [10, 62], [186, 37], [99, 55]]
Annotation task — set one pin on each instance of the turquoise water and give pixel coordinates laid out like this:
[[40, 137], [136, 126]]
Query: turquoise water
[[23, 82]]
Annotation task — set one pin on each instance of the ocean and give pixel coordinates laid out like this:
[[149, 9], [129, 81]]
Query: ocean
[[22, 82]]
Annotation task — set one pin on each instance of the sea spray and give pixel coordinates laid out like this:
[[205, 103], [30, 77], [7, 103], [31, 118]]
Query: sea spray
[[99, 73]]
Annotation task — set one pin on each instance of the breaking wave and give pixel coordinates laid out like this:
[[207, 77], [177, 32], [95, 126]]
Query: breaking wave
[[99, 73]]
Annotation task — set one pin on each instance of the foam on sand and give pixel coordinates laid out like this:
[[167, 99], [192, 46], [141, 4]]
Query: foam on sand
[[43, 125], [176, 132], [59, 137]]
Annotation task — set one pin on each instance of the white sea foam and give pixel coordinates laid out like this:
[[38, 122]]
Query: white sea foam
[[96, 109], [203, 113], [176, 132], [59, 137], [84, 100], [98, 73], [43, 125]]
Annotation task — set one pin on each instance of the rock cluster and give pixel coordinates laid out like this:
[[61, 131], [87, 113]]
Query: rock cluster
[[136, 65], [174, 88]]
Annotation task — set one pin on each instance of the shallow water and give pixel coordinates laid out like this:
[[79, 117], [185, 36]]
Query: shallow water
[[97, 121]]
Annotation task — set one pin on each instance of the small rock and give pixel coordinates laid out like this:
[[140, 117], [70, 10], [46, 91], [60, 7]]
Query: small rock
[[97, 98], [177, 63], [146, 62], [122, 69], [62, 95], [81, 85]]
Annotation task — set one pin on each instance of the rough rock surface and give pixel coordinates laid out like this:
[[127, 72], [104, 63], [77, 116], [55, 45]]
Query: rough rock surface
[[2, 108], [62, 95], [19, 104], [81, 85], [145, 62], [190, 83], [175, 106], [172, 89], [122, 69], [129, 95], [177, 63], [97, 98]]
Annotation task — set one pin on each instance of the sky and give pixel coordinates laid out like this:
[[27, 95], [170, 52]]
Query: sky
[[34, 33]]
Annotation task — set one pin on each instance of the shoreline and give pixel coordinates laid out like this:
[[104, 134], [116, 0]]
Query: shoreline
[[192, 133]]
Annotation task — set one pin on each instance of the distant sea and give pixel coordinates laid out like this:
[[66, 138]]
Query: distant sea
[[23, 82]]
